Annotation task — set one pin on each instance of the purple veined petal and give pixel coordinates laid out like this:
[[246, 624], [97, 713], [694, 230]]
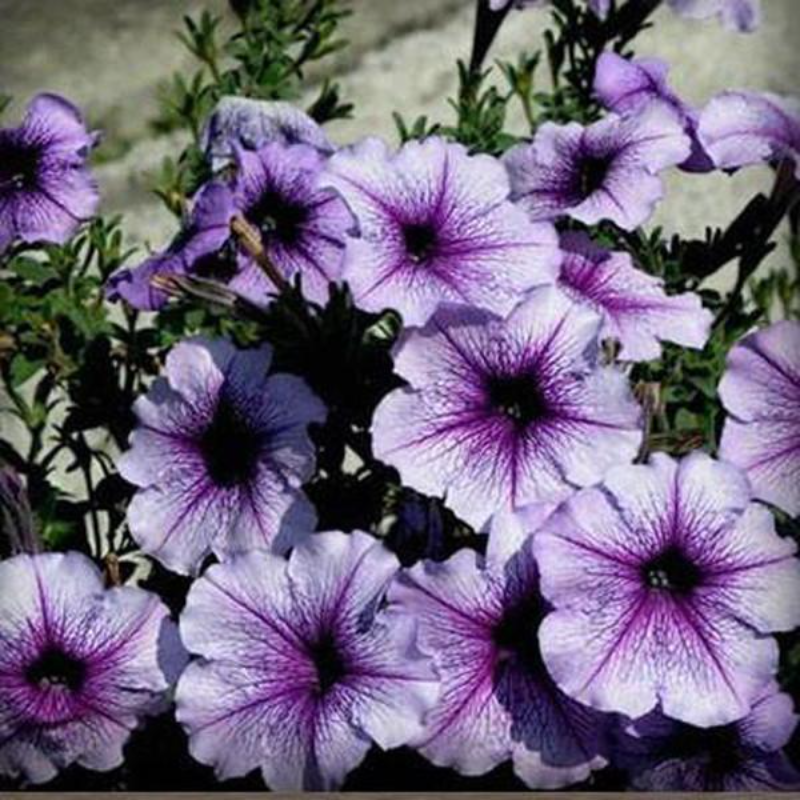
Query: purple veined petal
[[635, 309], [768, 450], [60, 123], [299, 678], [761, 392], [252, 124], [503, 410], [742, 16], [478, 621], [435, 225], [219, 455], [738, 128], [657, 578], [79, 665], [625, 85]]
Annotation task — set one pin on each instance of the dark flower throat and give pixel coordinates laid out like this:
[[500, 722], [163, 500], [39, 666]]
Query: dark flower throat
[[592, 175], [54, 667], [420, 241], [329, 663], [19, 166], [672, 571], [518, 397], [278, 218], [230, 448]]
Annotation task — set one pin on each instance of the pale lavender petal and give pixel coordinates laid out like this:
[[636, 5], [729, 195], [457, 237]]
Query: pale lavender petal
[[761, 392], [636, 311], [251, 124], [738, 128]]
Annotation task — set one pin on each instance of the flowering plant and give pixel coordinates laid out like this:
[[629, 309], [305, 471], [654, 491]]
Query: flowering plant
[[421, 464]]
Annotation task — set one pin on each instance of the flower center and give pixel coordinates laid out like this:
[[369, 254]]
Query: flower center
[[55, 668], [328, 662], [19, 166], [517, 397], [516, 634], [672, 571], [230, 448], [278, 218], [219, 265], [420, 240], [592, 174]]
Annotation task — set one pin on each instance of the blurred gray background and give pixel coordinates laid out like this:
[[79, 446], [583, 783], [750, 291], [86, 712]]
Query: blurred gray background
[[110, 55]]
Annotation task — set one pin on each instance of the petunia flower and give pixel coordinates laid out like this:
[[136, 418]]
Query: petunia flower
[[242, 122], [760, 390], [743, 756], [80, 665], [436, 225], [666, 581], [303, 226], [742, 16], [302, 230], [301, 667], [738, 128], [478, 618], [635, 309], [607, 170], [204, 248], [46, 190], [625, 86], [219, 454], [506, 412]]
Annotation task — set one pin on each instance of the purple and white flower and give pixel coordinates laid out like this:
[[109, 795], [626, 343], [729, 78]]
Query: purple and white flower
[[506, 412], [635, 309], [46, 190], [219, 455], [303, 226], [666, 581], [607, 170], [242, 122], [760, 390], [743, 756], [626, 86], [302, 229], [436, 225], [738, 128], [80, 665], [742, 16], [478, 619], [301, 667]]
